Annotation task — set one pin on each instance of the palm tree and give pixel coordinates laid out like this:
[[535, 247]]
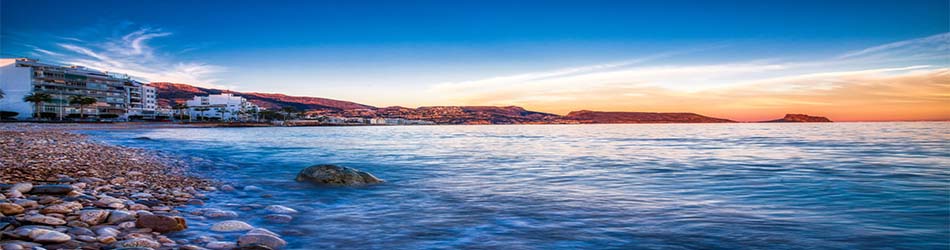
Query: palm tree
[[181, 107], [82, 101], [37, 99], [221, 112], [287, 110], [202, 110]]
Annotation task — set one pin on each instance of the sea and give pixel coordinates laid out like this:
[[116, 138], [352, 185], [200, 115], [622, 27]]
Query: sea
[[624, 186]]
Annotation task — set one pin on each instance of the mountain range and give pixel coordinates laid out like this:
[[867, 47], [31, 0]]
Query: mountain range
[[169, 93]]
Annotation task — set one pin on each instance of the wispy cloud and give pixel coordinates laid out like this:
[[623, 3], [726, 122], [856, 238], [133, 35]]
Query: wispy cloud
[[132, 54], [773, 85], [939, 43]]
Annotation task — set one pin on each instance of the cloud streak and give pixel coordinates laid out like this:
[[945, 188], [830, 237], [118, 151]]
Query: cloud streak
[[132, 54]]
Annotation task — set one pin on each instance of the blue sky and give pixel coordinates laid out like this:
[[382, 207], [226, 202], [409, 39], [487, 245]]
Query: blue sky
[[414, 53]]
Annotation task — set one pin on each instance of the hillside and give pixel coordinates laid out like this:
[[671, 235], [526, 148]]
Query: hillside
[[176, 92], [587, 116]]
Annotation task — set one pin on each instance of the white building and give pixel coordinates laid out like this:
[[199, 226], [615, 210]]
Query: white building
[[227, 107], [142, 101], [21, 77]]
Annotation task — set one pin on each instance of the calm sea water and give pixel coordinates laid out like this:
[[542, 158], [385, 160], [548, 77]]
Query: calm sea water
[[704, 186]]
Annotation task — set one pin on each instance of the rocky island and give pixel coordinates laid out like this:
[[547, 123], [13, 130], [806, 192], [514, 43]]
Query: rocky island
[[801, 118]]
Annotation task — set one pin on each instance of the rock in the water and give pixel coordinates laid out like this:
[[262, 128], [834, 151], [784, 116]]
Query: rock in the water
[[53, 189], [93, 217], [142, 138], [221, 245], [10, 208], [336, 175], [137, 242], [48, 236], [161, 223], [278, 218], [261, 237], [231, 226], [278, 209], [217, 213]]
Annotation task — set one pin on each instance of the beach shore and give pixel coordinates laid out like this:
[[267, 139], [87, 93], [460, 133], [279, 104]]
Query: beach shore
[[61, 190]]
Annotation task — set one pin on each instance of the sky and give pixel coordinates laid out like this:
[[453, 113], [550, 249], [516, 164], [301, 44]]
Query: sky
[[742, 60]]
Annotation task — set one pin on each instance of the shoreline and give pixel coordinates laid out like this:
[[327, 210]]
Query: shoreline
[[61, 189]]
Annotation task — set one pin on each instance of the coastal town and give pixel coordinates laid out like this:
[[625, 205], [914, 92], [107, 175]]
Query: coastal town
[[37, 91]]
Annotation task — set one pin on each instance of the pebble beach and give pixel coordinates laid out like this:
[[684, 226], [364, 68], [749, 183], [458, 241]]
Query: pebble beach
[[61, 190]]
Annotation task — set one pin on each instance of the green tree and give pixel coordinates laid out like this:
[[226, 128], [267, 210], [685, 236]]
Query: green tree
[[37, 99], [181, 107], [202, 110], [287, 111], [82, 101]]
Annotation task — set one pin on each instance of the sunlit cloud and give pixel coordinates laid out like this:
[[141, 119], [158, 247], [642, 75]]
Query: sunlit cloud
[[910, 76], [133, 55]]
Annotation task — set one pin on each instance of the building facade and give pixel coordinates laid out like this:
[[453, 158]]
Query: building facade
[[225, 107], [117, 96]]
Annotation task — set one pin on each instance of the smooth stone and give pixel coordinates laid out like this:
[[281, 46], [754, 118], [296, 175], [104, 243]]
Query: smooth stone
[[106, 239], [10, 208], [279, 218], [80, 231], [52, 189], [107, 231], [260, 236], [137, 242], [93, 217], [231, 226], [62, 208], [23, 187], [119, 216], [43, 219], [221, 245], [218, 213], [48, 236], [227, 188], [336, 175], [85, 238], [278, 209], [161, 223]]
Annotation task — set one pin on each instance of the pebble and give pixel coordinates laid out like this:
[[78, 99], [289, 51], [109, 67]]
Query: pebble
[[279, 218], [10, 208], [137, 242], [52, 189], [260, 236], [231, 226], [43, 219], [23, 187], [161, 223], [94, 217], [48, 236], [221, 245], [278, 209]]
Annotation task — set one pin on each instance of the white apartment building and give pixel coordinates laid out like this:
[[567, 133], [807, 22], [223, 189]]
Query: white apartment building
[[117, 95], [226, 107]]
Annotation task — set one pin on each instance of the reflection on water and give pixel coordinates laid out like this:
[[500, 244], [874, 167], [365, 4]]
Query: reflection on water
[[705, 186]]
